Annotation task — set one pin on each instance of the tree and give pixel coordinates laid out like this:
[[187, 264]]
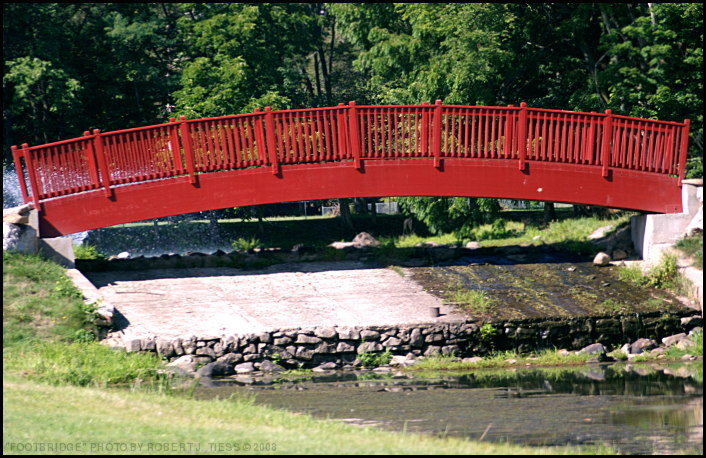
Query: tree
[[450, 214], [70, 67]]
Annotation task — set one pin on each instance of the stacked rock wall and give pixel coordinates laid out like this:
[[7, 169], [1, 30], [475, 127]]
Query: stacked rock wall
[[342, 347]]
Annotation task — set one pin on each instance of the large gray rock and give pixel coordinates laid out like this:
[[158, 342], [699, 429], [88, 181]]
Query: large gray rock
[[365, 239], [19, 238], [186, 363], [245, 368], [269, 366], [215, 369], [593, 349], [642, 346], [601, 259]]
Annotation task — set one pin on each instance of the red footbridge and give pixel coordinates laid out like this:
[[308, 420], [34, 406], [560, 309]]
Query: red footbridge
[[184, 166]]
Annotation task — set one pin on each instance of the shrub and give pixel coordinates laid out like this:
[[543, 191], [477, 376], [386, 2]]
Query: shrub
[[242, 244]]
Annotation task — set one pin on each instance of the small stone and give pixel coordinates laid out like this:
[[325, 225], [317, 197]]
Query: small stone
[[269, 366], [365, 239], [230, 358], [245, 368], [402, 361], [206, 351], [164, 348], [215, 369], [671, 340], [344, 347], [186, 363], [642, 345], [416, 339], [601, 259], [329, 366], [348, 334], [593, 349], [282, 341], [304, 339], [367, 347], [325, 333], [472, 360], [368, 335], [619, 255]]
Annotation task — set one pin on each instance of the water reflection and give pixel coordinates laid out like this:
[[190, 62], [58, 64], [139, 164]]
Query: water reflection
[[635, 409]]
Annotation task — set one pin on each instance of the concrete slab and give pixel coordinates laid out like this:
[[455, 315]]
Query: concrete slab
[[174, 303]]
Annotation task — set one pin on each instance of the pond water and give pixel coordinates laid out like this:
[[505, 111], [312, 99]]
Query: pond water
[[636, 409]]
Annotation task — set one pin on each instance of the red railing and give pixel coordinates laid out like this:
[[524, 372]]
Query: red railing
[[99, 161]]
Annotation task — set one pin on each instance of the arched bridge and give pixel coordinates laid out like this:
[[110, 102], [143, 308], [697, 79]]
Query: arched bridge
[[185, 166]]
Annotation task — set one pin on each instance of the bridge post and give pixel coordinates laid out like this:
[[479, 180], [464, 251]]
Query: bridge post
[[683, 147], [92, 161], [271, 144], [354, 134], [31, 171], [16, 154], [522, 136], [176, 148], [436, 135], [102, 163], [606, 143], [188, 151]]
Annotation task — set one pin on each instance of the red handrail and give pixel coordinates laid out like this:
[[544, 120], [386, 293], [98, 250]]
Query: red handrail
[[355, 133]]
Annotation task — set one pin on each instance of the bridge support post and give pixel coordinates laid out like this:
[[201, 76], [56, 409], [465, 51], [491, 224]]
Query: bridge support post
[[436, 135], [683, 149], [354, 134], [16, 155], [188, 151], [102, 163], [271, 144], [92, 161], [606, 143]]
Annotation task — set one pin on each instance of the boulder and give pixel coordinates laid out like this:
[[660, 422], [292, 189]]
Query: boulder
[[593, 349], [269, 366], [365, 239], [245, 368], [601, 259], [600, 232], [642, 346], [215, 369], [186, 363]]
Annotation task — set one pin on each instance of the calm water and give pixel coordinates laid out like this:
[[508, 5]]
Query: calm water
[[635, 409]]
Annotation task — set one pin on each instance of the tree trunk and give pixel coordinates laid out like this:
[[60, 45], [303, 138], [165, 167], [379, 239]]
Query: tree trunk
[[549, 212], [346, 219]]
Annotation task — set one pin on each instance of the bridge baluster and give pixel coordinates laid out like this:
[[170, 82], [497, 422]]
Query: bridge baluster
[[522, 136]]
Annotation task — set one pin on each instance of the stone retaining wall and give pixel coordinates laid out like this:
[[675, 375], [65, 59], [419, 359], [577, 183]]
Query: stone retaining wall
[[341, 347]]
